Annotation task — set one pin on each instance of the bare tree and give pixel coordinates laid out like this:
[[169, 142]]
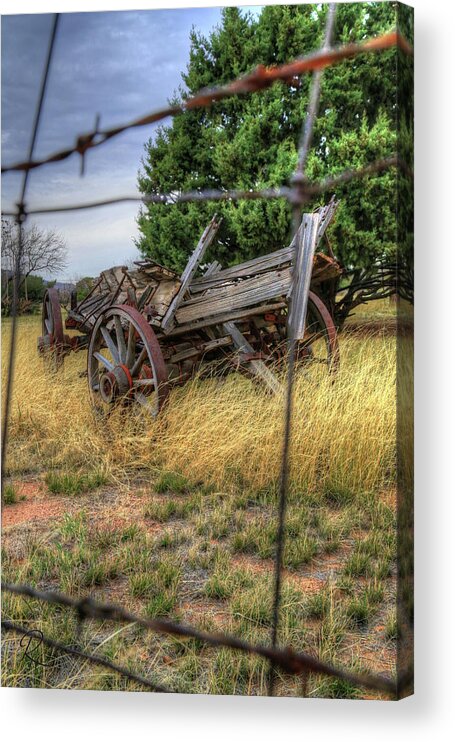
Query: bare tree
[[42, 251]]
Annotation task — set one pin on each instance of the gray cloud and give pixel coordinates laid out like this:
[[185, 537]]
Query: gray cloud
[[117, 64]]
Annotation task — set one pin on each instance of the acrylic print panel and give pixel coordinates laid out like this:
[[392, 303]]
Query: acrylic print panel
[[207, 323]]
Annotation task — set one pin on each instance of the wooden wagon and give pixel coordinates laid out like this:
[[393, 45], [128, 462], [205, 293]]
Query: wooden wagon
[[148, 329]]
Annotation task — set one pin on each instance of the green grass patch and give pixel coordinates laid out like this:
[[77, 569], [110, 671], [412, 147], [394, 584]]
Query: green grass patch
[[9, 495], [358, 610], [357, 565], [391, 626], [337, 495], [69, 483], [172, 482]]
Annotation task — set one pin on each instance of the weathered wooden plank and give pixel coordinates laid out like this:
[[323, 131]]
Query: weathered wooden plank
[[302, 274], [257, 367], [214, 267], [244, 270], [87, 303], [165, 293], [188, 274], [263, 263], [114, 276], [225, 317], [203, 348], [256, 290]]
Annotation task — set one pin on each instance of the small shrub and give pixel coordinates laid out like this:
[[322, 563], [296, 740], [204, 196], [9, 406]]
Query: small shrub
[[338, 495], [299, 550], [318, 605], [161, 604], [130, 533], [382, 569], [254, 605], [74, 526], [257, 537], [160, 511], [337, 688], [225, 581], [374, 592], [142, 585]]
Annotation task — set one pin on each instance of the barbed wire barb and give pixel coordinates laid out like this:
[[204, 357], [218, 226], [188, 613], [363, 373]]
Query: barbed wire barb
[[261, 78]]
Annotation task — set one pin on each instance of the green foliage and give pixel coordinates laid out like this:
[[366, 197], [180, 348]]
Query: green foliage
[[35, 288], [250, 141], [83, 287]]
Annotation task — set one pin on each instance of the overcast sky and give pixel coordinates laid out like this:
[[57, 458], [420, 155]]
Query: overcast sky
[[118, 64]]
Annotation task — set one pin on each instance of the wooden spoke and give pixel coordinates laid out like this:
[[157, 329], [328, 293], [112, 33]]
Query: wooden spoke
[[51, 340], [110, 344], [137, 365], [120, 339], [144, 402], [131, 345], [104, 361]]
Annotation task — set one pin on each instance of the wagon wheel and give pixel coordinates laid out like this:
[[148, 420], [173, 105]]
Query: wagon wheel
[[320, 342], [51, 342], [125, 362], [319, 347]]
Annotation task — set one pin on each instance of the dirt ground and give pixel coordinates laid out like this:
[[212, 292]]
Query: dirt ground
[[41, 516]]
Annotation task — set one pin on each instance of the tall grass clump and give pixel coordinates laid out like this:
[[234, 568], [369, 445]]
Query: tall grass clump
[[343, 432]]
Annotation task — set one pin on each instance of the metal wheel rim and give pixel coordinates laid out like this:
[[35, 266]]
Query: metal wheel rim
[[328, 333]]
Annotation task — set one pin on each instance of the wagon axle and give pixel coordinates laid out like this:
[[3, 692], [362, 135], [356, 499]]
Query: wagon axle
[[115, 384]]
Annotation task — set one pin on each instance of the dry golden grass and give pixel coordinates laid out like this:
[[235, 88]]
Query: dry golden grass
[[203, 555], [343, 435]]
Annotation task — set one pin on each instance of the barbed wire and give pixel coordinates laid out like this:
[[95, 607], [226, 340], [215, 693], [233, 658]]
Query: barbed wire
[[261, 78], [297, 194], [21, 216], [289, 661], [305, 191], [297, 199]]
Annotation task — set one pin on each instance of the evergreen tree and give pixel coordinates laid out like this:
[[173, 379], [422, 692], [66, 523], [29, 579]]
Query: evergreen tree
[[251, 141]]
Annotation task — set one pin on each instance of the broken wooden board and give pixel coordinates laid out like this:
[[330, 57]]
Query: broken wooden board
[[214, 267], [301, 280], [257, 367], [155, 270], [198, 350], [324, 267], [188, 274]]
